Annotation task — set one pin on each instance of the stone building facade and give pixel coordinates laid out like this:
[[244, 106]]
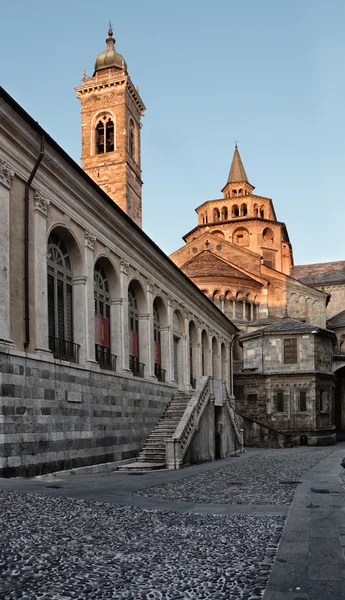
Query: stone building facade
[[286, 383], [98, 328]]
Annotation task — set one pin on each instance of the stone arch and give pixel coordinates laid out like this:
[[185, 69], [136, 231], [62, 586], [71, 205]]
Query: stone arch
[[256, 210], [137, 330], [178, 332], [235, 212], [160, 338], [268, 237], [215, 358], [205, 353], [218, 233], [240, 237], [107, 316], [65, 295], [216, 214], [193, 354], [244, 210]]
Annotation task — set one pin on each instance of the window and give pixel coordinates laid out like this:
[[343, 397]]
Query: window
[[302, 401], [235, 211], [105, 135], [131, 140], [216, 214], [290, 351], [252, 398], [60, 322], [280, 402]]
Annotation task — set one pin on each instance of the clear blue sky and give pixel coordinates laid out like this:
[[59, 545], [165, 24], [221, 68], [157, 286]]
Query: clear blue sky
[[269, 73]]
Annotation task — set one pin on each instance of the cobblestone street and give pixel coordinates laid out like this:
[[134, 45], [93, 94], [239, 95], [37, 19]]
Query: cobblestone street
[[56, 545]]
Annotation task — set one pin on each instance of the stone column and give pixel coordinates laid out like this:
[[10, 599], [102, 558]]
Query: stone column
[[166, 351], [123, 324], [252, 311], [185, 358], [41, 204], [79, 315], [144, 343], [210, 357], [233, 301], [222, 299], [244, 309], [89, 298], [6, 176]]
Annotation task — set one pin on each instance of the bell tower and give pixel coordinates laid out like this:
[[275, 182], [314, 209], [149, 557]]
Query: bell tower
[[111, 111]]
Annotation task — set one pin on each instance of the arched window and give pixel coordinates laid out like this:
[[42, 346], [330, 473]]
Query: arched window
[[256, 210], [105, 135], [262, 212], [102, 319], [60, 312], [157, 341], [268, 236], [224, 213], [235, 211], [234, 192], [133, 326], [216, 214], [131, 139], [244, 210], [240, 192]]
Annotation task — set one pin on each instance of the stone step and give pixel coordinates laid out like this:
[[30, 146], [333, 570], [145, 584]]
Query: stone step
[[139, 467]]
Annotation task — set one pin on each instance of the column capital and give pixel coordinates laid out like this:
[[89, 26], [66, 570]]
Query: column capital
[[116, 301], [41, 203], [89, 240], [150, 286], [124, 266], [6, 174], [79, 280], [170, 300]]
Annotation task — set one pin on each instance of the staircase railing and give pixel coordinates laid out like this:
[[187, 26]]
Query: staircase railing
[[177, 446], [230, 405]]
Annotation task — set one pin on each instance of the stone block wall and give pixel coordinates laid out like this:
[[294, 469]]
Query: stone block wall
[[56, 416]]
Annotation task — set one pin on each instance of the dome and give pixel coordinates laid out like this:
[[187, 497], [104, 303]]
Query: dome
[[110, 58]]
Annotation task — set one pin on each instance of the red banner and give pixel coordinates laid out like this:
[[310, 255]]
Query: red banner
[[102, 331], [133, 344], [157, 353]]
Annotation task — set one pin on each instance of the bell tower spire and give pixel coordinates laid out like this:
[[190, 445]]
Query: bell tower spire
[[237, 179], [111, 110]]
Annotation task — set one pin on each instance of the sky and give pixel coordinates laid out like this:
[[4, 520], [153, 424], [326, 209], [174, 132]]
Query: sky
[[267, 73]]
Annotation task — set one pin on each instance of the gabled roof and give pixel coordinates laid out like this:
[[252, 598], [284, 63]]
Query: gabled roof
[[337, 321], [237, 172], [320, 273], [288, 325], [206, 264]]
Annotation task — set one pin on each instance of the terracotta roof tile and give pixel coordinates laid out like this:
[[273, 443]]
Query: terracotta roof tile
[[320, 273]]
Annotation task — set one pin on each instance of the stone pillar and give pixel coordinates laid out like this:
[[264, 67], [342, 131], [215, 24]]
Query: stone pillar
[[186, 353], [210, 357], [244, 309], [41, 204], [6, 176], [222, 299], [123, 324], [79, 315], [89, 298], [166, 351], [233, 301], [252, 311]]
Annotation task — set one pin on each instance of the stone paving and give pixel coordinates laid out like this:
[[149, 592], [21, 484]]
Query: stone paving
[[57, 547], [62, 548], [270, 477]]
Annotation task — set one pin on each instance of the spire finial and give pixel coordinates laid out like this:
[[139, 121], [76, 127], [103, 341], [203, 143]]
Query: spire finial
[[236, 144], [110, 30]]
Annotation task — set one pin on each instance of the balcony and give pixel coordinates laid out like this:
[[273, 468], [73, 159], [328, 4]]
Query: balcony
[[160, 373], [105, 360], [64, 350], [135, 366]]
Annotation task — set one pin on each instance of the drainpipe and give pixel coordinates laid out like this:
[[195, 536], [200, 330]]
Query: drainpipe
[[26, 245]]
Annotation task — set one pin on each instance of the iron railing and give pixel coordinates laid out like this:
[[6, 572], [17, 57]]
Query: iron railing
[[160, 373], [64, 350], [192, 382], [135, 366], [105, 359]]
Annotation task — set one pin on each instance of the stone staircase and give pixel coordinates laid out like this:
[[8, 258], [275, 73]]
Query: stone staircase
[[153, 453]]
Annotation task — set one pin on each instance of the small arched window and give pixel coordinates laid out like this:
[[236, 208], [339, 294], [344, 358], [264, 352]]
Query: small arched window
[[240, 192], [234, 192], [256, 210], [244, 210], [262, 212], [224, 213], [235, 211], [105, 135], [216, 214], [131, 139]]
